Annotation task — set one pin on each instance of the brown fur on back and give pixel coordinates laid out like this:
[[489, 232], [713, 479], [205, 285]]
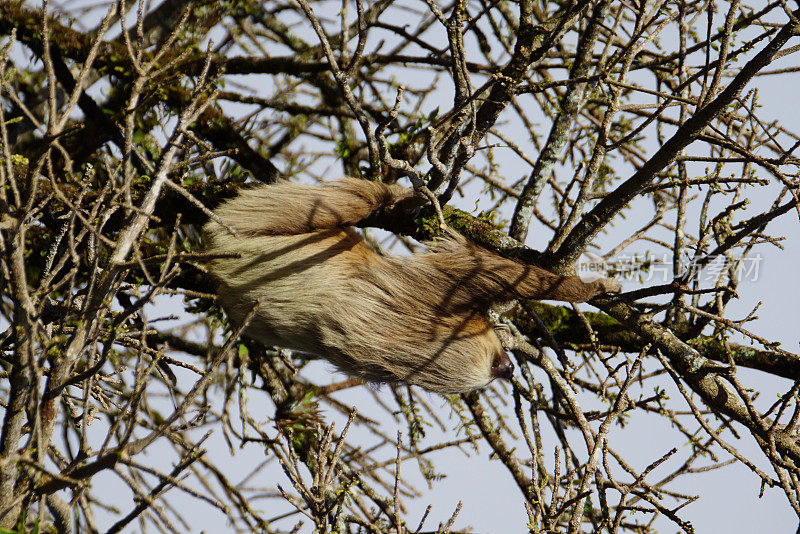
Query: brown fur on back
[[322, 290]]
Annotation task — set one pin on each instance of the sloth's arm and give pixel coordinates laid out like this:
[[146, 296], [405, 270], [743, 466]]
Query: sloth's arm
[[290, 208], [481, 276]]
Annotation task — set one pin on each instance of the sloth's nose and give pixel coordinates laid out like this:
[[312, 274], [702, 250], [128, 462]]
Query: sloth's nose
[[502, 367]]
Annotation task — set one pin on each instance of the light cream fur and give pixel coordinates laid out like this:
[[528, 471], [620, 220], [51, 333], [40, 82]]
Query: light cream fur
[[419, 320]]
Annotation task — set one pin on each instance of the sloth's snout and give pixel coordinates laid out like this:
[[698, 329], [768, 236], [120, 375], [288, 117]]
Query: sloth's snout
[[502, 366]]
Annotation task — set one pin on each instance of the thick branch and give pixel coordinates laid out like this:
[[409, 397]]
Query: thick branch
[[701, 375], [569, 331]]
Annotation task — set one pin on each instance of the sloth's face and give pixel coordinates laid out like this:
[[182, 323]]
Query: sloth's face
[[502, 366], [461, 362]]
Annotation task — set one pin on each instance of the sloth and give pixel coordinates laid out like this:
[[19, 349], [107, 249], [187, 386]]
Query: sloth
[[314, 285]]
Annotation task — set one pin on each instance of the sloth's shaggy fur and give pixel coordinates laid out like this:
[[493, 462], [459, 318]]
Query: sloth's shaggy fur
[[323, 290]]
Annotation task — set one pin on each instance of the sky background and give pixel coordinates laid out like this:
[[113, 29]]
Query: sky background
[[491, 502]]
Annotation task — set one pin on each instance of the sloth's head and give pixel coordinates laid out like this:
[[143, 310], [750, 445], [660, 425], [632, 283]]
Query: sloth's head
[[460, 360]]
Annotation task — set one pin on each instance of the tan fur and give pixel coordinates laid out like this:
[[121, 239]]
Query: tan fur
[[419, 319]]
